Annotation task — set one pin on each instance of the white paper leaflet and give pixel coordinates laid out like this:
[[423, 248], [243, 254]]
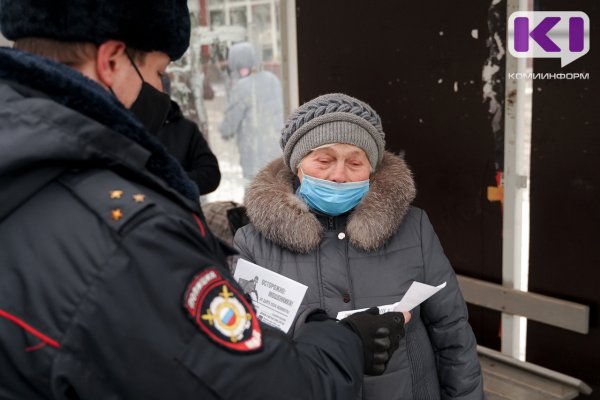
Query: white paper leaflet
[[275, 297], [417, 293]]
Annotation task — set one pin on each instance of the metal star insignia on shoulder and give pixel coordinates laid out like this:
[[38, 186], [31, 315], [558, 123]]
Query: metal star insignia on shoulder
[[116, 214], [116, 194]]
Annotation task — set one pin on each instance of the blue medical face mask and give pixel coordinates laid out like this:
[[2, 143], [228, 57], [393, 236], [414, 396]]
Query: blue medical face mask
[[331, 198]]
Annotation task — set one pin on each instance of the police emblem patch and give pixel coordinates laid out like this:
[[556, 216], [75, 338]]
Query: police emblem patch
[[221, 312]]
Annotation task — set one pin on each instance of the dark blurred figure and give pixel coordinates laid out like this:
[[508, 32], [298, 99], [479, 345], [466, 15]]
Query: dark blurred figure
[[185, 142]]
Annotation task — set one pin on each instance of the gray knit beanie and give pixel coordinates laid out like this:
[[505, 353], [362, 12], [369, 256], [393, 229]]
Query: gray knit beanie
[[332, 118]]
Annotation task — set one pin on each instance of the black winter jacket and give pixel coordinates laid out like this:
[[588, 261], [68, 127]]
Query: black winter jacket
[[111, 287], [185, 142]]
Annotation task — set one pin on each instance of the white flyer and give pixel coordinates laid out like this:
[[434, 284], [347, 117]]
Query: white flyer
[[275, 297], [417, 293]]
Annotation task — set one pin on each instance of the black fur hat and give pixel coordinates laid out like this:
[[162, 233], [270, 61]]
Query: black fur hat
[[147, 25]]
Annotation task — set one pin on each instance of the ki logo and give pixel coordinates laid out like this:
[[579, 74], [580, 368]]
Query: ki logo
[[548, 34]]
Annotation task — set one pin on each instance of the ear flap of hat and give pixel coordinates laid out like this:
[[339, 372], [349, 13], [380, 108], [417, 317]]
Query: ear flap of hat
[[147, 25]]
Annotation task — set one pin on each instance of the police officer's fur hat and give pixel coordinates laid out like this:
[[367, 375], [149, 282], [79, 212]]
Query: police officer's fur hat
[[147, 25]]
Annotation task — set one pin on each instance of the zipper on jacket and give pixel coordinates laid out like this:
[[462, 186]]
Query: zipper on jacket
[[320, 279], [330, 223], [350, 293]]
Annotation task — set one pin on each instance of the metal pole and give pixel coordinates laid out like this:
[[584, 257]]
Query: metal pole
[[289, 55], [517, 144]]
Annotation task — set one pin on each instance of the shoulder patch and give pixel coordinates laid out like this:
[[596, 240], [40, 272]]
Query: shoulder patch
[[221, 312], [115, 199]]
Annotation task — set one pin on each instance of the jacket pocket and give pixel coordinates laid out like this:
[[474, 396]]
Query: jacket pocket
[[395, 385]]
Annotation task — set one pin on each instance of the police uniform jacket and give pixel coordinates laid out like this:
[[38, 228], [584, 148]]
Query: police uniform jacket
[[109, 279], [366, 258]]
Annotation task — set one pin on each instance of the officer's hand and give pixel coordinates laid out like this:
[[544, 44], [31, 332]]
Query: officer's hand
[[380, 335]]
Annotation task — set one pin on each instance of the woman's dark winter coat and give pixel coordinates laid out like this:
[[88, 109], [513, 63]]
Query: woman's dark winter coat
[[367, 258]]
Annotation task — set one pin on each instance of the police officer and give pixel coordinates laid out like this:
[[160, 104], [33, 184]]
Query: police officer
[[111, 286]]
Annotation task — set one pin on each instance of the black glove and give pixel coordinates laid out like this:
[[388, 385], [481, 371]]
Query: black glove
[[319, 315], [380, 335]]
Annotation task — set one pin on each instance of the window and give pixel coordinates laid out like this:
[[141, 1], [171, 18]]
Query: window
[[229, 83]]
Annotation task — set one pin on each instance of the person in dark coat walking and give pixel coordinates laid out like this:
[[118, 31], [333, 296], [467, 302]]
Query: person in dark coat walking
[[111, 286], [335, 214], [185, 142]]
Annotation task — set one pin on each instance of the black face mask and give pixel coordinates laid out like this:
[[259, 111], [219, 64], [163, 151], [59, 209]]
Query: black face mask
[[151, 105]]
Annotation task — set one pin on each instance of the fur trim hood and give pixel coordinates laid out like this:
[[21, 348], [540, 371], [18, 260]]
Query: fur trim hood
[[283, 218]]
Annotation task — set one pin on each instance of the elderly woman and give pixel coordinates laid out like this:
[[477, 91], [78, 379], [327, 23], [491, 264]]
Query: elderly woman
[[335, 214]]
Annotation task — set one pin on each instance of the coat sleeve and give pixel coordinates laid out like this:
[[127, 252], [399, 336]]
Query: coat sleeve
[[446, 317], [234, 114], [202, 165], [242, 243], [132, 337]]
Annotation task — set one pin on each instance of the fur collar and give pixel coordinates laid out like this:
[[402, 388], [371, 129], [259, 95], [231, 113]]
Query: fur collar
[[281, 217], [73, 90]]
